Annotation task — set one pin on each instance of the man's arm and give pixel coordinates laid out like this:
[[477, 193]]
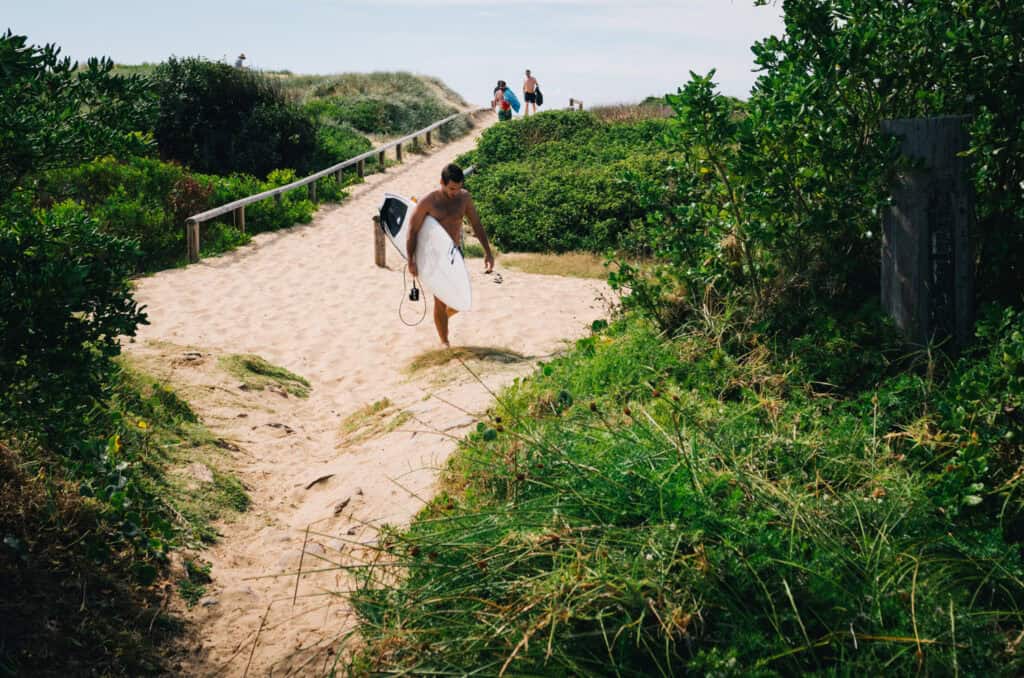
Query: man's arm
[[481, 235], [415, 224]]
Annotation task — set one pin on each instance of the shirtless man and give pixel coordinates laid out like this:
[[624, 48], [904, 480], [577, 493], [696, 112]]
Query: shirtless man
[[529, 93], [449, 205]]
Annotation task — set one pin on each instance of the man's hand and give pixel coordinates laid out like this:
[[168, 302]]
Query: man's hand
[[413, 271], [488, 262]]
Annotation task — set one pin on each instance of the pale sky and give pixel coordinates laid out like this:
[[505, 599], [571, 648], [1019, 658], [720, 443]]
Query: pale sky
[[600, 51]]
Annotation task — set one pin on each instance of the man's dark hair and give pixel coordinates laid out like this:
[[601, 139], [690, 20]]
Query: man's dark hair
[[452, 172]]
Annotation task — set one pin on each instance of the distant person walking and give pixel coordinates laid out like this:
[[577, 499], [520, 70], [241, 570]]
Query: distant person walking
[[239, 62], [531, 93], [504, 107]]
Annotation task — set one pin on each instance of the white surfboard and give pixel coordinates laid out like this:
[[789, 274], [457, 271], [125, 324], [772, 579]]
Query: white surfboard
[[439, 262]]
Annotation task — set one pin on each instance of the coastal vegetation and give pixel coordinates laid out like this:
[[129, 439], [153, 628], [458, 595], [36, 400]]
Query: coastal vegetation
[[107, 474], [748, 472]]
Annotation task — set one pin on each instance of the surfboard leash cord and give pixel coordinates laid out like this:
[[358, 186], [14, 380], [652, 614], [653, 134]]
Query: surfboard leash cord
[[412, 294]]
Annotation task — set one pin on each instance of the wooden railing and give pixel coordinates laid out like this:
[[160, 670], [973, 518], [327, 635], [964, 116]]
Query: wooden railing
[[575, 104], [238, 206]]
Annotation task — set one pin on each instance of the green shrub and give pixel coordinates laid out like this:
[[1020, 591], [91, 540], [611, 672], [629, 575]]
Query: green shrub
[[54, 115], [219, 119], [67, 301], [553, 182]]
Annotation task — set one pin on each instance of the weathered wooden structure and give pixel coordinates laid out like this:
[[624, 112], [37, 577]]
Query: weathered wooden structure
[[927, 255]]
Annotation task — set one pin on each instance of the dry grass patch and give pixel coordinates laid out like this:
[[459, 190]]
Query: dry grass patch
[[257, 374], [570, 264], [443, 356], [376, 419]]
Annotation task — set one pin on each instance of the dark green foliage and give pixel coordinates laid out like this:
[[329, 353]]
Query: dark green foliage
[[52, 115], [220, 119], [779, 200], [65, 303], [553, 181]]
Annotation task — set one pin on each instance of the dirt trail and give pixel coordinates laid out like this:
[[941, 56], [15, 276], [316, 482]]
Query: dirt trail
[[310, 299]]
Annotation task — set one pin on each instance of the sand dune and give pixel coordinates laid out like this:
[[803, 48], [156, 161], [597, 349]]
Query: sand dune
[[311, 300]]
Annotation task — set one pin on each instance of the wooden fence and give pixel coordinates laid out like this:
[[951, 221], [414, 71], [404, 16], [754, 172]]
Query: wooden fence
[[359, 161]]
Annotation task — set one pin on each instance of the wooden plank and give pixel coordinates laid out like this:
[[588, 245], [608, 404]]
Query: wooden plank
[[379, 255], [192, 240], [927, 256]]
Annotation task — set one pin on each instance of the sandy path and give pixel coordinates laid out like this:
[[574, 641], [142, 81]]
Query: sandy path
[[311, 300]]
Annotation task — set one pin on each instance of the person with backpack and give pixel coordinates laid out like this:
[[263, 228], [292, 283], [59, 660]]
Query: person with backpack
[[531, 93]]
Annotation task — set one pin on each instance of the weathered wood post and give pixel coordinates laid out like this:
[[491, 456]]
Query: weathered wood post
[[380, 160], [378, 243], [312, 192], [240, 218], [428, 137], [192, 240], [927, 256], [398, 152], [277, 199], [360, 168]]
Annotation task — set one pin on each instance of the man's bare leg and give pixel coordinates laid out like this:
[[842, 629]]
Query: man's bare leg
[[441, 315]]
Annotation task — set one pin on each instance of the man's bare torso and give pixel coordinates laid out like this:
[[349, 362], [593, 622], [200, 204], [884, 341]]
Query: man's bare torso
[[530, 84], [449, 212]]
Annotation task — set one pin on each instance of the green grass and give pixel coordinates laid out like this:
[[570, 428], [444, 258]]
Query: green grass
[[665, 506], [258, 374]]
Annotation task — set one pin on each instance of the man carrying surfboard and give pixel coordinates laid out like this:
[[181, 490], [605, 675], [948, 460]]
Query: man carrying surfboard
[[449, 205]]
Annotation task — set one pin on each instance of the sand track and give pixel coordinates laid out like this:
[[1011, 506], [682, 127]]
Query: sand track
[[310, 299]]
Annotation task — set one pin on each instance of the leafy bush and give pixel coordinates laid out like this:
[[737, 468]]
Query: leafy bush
[[779, 201], [66, 303], [148, 201], [219, 119], [54, 114], [553, 181]]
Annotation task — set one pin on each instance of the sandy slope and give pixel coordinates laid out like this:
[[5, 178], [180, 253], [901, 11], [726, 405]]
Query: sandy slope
[[311, 300]]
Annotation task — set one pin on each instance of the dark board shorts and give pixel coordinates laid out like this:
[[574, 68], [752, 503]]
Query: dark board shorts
[[531, 97]]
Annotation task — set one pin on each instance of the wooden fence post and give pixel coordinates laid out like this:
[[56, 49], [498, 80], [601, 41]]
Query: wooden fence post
[[380, 160], [927, 257], [360, 168], [398, 152], [240, 218], [312, 192], [277, 199], [378, 243], [428, 138], [192, 240]]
